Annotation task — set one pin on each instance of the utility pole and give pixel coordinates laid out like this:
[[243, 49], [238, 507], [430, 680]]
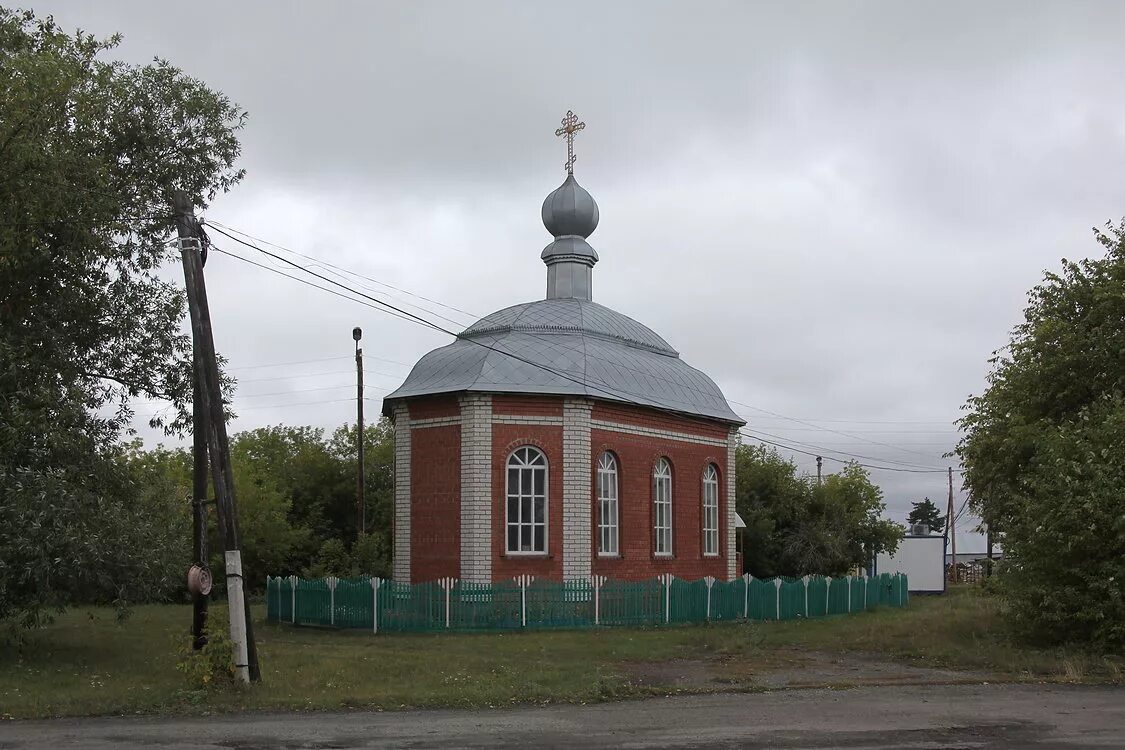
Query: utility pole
[[952, 527], [199, 430], [360, 501], [218, 447], [818, 462]]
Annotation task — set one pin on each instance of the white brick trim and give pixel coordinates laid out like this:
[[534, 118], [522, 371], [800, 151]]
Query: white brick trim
[[631, 429], [434, 422], [732, 532], [522, 419], [576, 509], [476, 488], [401, 566]]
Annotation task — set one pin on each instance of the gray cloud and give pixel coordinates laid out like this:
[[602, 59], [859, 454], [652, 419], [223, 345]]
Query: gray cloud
[[834, 209]]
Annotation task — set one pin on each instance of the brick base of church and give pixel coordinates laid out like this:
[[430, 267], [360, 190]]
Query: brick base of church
[[451, 454]]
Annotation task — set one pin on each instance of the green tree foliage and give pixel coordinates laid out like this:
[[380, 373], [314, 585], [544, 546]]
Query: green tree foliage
[[925, 511], [1044, 454], [90, 152], [794, 527], [296, 501]]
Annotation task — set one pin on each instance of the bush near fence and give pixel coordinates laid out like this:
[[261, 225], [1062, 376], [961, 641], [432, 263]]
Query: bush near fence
[[380, 605]]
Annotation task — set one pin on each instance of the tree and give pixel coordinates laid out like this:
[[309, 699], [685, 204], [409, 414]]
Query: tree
[[794, 526], [1044, 454], [90, 153], [925, 511]]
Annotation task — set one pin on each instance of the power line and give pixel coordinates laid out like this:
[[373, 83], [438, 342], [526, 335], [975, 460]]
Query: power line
[[829, 429], [585, 381], [326, 264], [852, 455], [285, 364], [838, 460], [400, 314], [267, 406], [317, 375]]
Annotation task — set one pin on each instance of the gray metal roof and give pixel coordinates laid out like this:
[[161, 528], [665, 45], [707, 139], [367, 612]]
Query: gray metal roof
[[566, 347]]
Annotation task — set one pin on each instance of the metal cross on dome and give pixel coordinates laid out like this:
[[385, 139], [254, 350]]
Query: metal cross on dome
[[570, 126]]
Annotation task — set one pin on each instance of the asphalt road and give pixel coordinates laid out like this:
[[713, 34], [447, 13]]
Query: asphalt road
[[948, 716]]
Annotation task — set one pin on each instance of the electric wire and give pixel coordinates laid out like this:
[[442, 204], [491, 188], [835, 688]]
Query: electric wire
[[326, 264], [586, 382]]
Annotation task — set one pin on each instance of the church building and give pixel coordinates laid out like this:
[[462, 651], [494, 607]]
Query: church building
[[559, 438]]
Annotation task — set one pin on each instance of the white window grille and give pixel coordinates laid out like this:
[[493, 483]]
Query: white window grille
[[711, 510], [662, 507], [527, 502], [607, 505]]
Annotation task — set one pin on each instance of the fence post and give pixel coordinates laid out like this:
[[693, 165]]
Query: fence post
[[375, 583], [331, 581], [523, 581], [447, 585], [747, 579], [293, 591], [666, 579], [827, 594], [805, 580], [777, 585], [596, 581], [849, 594], [710, 581]]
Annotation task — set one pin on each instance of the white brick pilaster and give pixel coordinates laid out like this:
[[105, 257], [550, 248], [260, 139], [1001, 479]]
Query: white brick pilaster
[[732, 532], [476, 488], [401, 569], [576, 502]]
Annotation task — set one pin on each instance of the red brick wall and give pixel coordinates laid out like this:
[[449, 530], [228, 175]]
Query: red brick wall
[[642, 417], [435, 503], [430, 407], [505, 439], [527, 406], [636, 457], [436, 490]]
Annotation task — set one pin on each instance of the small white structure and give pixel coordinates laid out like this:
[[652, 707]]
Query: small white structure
[[922, 558]]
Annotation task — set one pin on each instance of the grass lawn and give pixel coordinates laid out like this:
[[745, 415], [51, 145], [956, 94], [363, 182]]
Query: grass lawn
[[87, 663]]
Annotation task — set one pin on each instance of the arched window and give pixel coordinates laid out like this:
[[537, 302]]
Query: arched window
[[527, 501], [607, 504], [662, 507], [710, 510]]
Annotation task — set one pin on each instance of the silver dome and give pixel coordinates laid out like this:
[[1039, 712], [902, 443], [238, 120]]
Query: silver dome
[[566, 347], [570, 210]]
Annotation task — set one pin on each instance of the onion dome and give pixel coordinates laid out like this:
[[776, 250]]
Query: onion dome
[[570, 214]]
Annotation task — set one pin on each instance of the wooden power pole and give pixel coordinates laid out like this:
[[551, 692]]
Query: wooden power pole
[[952, 528], [360, 480], [199, 431], [818, 463], [210, 399]]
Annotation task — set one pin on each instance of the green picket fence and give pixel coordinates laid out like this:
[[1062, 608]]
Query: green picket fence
[[378, 605]]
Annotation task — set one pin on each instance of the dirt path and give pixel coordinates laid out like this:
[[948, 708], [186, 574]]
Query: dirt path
[[961, 716]]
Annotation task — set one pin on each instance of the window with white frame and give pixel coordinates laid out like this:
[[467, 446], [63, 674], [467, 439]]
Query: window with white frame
[[710, 510], [527, 502], [607, 504], [662, 507]]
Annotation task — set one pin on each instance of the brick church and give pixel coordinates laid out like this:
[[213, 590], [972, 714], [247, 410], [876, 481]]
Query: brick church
[[560, 438]]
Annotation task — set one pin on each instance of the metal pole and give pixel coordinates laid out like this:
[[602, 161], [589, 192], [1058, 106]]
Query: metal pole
[[360, 501]]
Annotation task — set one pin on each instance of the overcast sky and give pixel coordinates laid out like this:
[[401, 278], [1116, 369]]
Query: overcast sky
[[834, 209]]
